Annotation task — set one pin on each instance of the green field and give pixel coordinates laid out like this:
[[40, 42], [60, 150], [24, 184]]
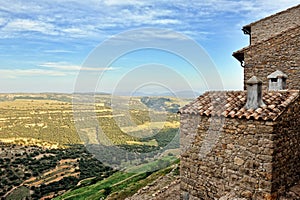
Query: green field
[[123, 184]]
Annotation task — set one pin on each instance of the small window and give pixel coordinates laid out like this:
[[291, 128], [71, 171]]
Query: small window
[[273, 80]]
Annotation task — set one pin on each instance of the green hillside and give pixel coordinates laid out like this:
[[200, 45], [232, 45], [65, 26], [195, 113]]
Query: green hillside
[[122, 184]]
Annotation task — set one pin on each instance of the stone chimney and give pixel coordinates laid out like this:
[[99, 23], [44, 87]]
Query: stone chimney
[[277, 80], [254, 93]]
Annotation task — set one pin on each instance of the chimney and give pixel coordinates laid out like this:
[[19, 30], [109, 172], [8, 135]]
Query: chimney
[[254, 93], [277, 80]]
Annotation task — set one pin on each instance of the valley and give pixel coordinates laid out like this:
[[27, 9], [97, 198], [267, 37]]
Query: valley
[[54, 145]]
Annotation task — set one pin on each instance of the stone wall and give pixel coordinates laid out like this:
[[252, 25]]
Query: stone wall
[[286, 167], [188, 130], [239, 159], [273, 25], [278, 53]]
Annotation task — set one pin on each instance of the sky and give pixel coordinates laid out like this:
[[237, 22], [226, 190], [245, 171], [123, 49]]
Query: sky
[[97, 45]]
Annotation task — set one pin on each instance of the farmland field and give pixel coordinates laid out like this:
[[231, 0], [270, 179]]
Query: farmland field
[[50, 118], [50, 142]]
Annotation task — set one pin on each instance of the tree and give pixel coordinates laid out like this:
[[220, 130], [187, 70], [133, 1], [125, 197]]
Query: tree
[[107, 191]]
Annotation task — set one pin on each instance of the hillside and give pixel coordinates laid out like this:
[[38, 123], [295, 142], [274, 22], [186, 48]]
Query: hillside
[[35, 172], [126, 183], [42, 151], [42, 156]]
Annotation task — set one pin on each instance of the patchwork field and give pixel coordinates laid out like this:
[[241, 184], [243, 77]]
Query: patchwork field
[[51, 118], [36, 118], [42, 135]]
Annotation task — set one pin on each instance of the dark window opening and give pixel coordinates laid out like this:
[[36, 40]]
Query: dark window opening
[[273, 80]]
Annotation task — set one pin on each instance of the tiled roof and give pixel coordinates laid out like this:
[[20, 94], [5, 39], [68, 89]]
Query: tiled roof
[[231, 104]]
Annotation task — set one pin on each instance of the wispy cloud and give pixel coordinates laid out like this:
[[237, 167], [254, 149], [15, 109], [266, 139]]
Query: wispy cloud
[[52, 69], [122, 2], [35, 31], [147, 35], [24, 25], [100, 18], [58, 51], [16, 73], [2, 21], [69, 67], [17, 6]]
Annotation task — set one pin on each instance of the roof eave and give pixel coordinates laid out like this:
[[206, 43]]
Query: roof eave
[[239, 55], [247, 29]]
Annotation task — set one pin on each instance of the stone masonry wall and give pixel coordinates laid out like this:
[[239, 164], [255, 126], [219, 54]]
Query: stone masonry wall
[[239, 159], [188, 130], [273, 25], [278, 53], [286, 168]]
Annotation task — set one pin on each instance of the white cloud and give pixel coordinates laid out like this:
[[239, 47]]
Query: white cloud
[[19, 25], [2, 21], [148, 36], [278, 4], [256, 10], [161, 34], [80, 31], [76, 31], [122, 2], [236, 5], [15, 73], [57, 51], [79, 26], [60, 66], [164, 21], [69, 67], [99, 19], [20, 7]]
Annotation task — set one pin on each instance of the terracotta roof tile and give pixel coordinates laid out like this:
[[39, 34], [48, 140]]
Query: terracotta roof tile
[[231, 104]]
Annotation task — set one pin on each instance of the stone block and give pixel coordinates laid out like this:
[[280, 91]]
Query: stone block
[[238, 161]]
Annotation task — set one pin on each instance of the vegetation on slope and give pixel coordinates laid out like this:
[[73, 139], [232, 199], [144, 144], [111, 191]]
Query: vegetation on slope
[[124, 183], [45, 172], [40, 155]]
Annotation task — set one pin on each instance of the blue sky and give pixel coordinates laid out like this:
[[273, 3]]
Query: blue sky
[[44, 44]]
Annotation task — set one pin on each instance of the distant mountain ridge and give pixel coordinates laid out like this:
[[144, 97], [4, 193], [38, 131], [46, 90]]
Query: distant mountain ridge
[[176, 94]]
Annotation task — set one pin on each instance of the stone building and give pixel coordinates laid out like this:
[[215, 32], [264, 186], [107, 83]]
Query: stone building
[[246, 144], [274, 45]]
